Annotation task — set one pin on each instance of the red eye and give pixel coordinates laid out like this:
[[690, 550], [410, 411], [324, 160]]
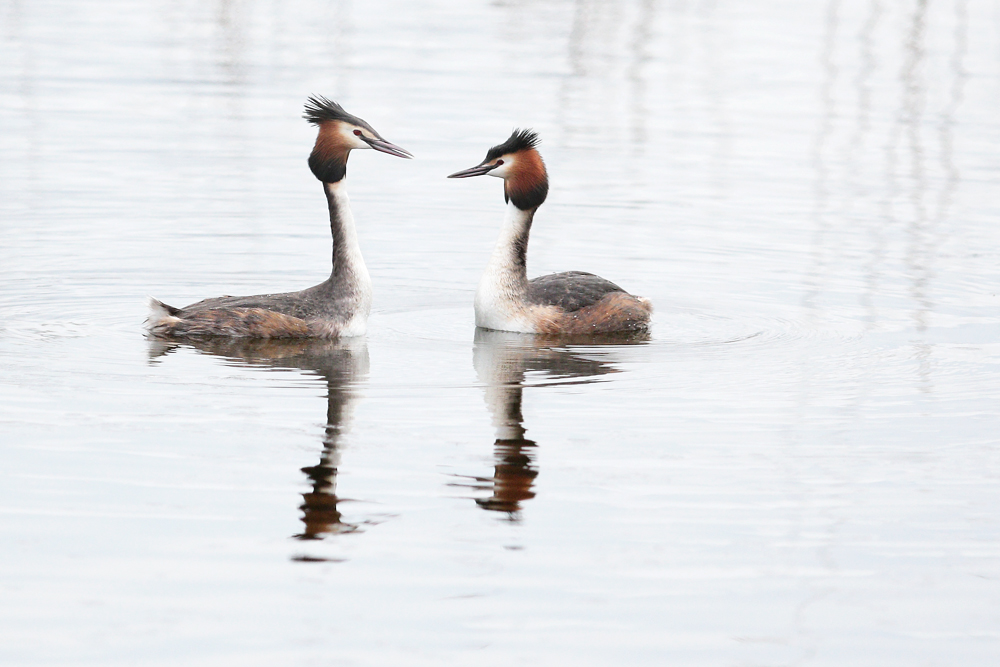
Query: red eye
[[499, 162], [357, 133]]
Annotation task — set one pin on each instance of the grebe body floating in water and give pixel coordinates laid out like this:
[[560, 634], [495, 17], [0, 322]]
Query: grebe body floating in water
[[572, 302], [338, 306]]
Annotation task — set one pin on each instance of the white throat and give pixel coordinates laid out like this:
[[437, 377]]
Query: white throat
[[500, 297]]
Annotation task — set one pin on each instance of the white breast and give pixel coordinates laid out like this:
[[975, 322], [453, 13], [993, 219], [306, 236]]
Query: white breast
[[495, 309]]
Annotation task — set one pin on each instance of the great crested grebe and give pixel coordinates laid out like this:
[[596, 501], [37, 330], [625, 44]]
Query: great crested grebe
[[338, 306], [572, 302]]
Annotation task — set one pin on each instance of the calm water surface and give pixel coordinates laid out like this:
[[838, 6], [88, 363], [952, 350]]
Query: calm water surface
[[799, 466]]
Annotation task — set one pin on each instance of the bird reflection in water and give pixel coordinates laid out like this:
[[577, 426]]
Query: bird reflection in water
[[508, 362], [342, 364]]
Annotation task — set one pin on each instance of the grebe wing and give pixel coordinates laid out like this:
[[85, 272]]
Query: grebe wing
[[287, 304], [570, 290]]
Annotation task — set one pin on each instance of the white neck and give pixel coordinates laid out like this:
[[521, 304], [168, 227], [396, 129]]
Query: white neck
[[349, 278], [345, 234], [504, 285]]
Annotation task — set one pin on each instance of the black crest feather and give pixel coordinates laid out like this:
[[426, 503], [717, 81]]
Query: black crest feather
[[520, 140], [320, 110]]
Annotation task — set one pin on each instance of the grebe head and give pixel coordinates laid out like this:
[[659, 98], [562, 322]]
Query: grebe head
[[518, 163], [339, 134]]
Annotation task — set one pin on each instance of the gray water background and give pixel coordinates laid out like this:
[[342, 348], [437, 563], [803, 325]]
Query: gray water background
[[799, 467]]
